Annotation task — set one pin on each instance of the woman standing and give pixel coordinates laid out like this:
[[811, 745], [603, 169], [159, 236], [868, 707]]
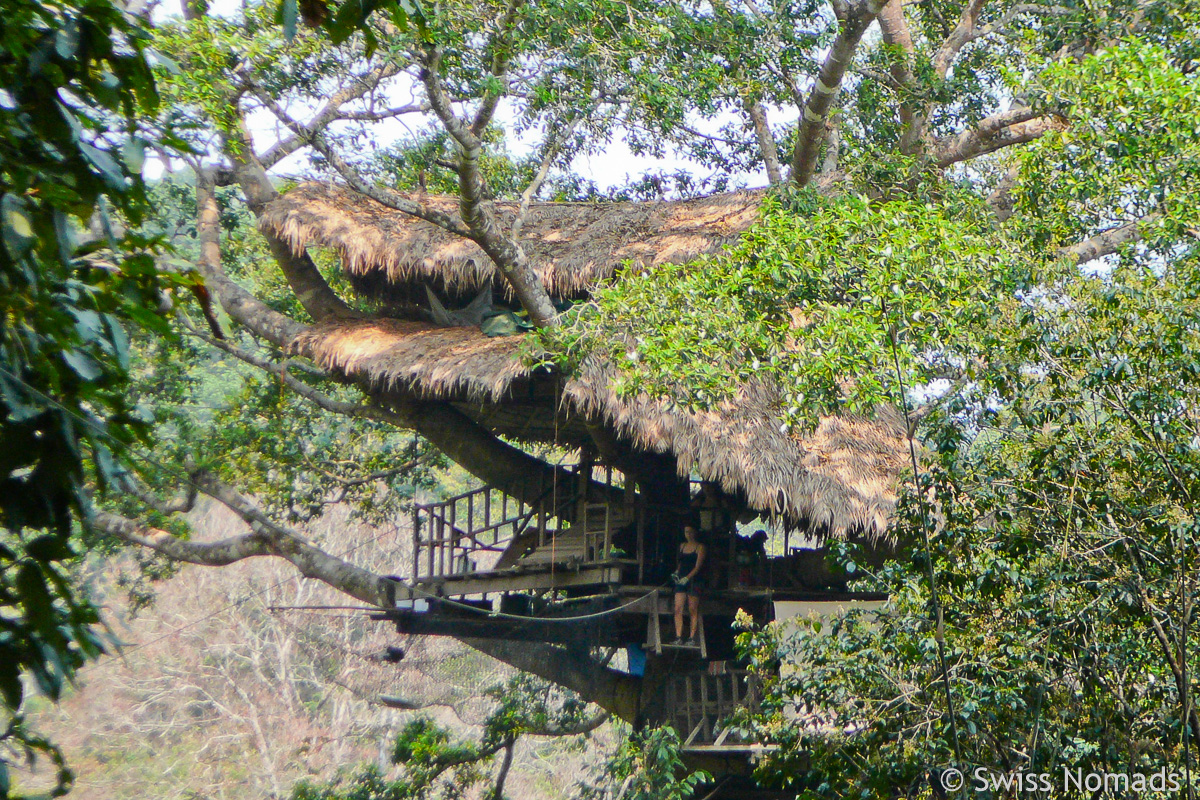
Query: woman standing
[[688, 585]]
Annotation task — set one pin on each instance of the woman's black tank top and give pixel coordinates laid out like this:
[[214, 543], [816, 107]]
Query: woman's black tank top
[[687, 562]]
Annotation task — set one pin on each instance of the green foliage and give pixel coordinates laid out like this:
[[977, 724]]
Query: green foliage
[[433, 763], [808, 300], [74, 77], [1132, 149], [1064, 537], [648, 766]]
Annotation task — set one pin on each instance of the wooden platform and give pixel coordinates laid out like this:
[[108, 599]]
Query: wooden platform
[[522, 578]]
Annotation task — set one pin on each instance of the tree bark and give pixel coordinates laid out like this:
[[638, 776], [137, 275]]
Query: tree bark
[[994, 133], [310, 287], [894, 29], [614, 691], [854, 24], [477, 210], [766, 141], [247, 309]]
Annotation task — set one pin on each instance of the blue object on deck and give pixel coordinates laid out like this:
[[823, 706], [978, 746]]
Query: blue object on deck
[[637, 660]]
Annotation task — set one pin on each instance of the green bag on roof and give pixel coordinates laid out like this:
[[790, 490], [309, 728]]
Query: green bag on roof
[[502, 322]]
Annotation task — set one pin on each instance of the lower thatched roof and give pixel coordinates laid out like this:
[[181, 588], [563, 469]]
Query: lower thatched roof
[[571, 245], [417, 356], [834, 480]]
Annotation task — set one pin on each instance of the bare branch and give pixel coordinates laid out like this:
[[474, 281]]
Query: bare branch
[[387, 113], [968, 30], [387, 197], [478, 211], [581, 727], [244, 307], [766, 141], [554, 146], [182, 503], [854, 23], [332, 111], [995, 133], [500, 59], [207, 554], [1109, 241], [1012, 13]]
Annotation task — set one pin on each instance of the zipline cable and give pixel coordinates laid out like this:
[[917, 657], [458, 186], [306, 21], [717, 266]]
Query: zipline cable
[[939, 634]]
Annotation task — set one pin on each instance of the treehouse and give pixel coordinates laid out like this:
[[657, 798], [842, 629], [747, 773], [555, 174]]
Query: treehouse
[[580, 554]]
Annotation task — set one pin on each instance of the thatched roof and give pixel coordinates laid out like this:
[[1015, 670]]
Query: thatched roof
[[572, 245], [416, 356], [836, 479], [839, 478]]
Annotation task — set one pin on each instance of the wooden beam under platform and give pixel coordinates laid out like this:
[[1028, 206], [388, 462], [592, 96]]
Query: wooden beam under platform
[[543, 577], [588, 624]]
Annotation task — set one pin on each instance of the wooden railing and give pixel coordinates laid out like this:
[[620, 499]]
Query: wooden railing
[[469, 532], [701, 704]]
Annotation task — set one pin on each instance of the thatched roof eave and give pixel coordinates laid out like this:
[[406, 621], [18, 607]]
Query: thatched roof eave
[[572, 246], [836, 480]]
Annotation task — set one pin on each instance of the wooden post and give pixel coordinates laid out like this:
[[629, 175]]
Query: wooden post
[[416, 540], [487, 515], [448, 568], [640, 513], [432, 539]]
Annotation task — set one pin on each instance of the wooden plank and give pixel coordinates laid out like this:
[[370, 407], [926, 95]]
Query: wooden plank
[[429, 572], [480, 583], [449, 566], [416, 540]]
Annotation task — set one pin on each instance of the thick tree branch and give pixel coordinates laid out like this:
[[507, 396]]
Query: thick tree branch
[[994, 133], [499, 68], [387, 197], [896, 35], [1107, 242], [958, 38], [616, 692], [478, 212], [332, 111], [766, 140], [854, 23], [266, 538], [208, 554], [241, 305], [460, 438], [302, 275]]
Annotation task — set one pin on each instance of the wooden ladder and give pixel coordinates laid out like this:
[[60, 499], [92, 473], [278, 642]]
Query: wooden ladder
[[654, 638]]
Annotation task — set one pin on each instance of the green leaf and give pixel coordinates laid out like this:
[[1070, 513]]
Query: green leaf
[[83, 365], [10, 677], [110, 170], [349, 19], [49, 547], [66, 41], [35, 597], [134, 153], [17, 225]]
